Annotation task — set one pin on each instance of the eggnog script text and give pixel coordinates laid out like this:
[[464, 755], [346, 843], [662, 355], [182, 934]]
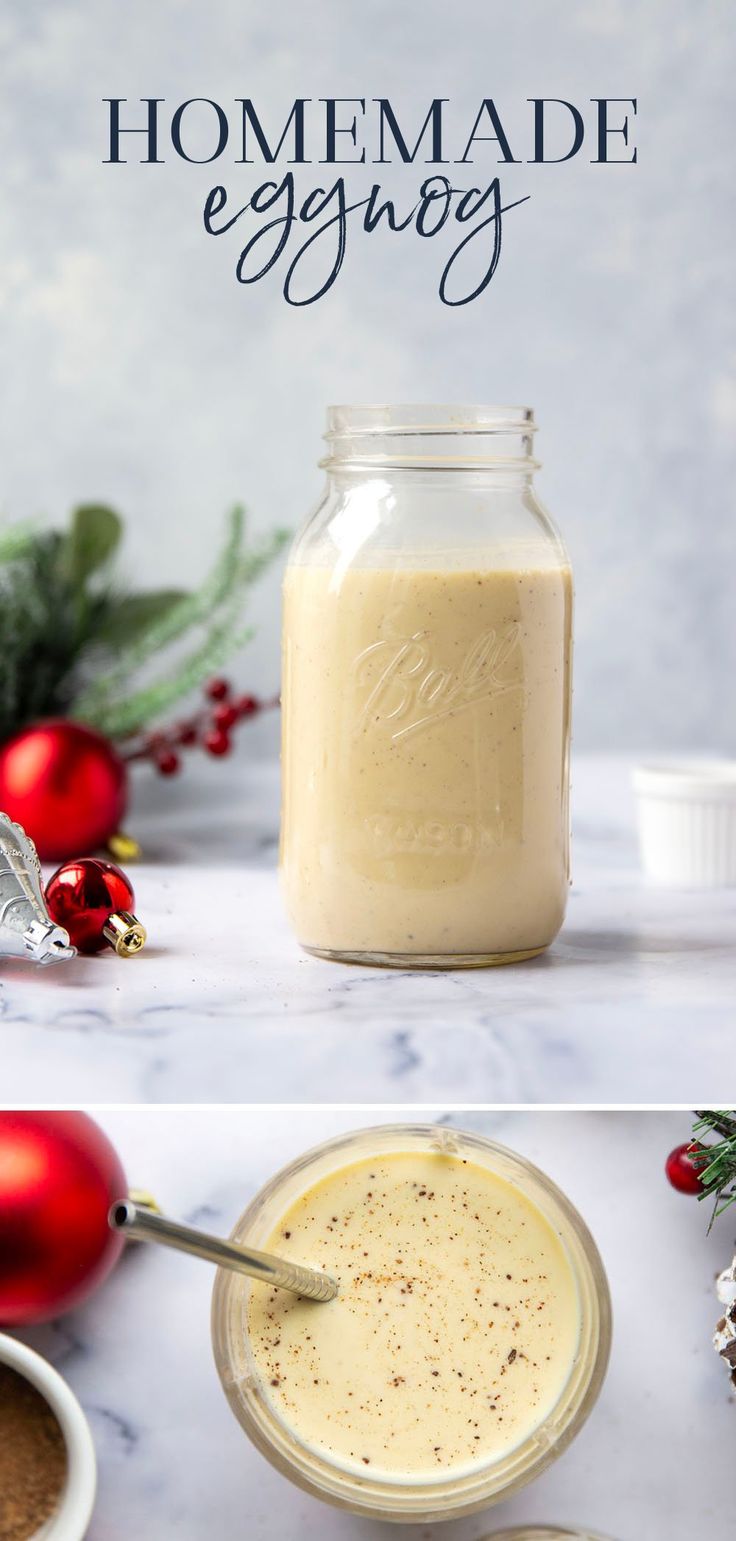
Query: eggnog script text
[[309, 230]]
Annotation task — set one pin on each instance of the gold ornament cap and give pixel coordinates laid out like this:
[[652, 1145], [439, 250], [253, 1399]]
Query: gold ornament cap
[[123, 848], [125, 933]]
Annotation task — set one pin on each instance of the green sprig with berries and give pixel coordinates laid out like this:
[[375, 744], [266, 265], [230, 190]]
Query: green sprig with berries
[[75, 643]]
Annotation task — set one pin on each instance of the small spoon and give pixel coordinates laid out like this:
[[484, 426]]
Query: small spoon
[[145, 1225]]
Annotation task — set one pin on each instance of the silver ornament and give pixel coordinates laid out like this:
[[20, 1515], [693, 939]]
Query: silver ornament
[[26, 928]]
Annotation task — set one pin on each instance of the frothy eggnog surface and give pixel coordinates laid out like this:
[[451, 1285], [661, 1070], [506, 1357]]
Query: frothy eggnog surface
[[454, 1331], [426, 721]]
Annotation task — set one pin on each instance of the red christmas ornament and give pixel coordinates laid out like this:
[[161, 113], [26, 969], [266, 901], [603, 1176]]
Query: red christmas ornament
[[59, 1175], [682, 1171], [65, 784], [96, 901]]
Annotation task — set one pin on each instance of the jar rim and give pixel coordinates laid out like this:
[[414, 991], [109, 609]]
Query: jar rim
[[350, 421], [536, 1532]]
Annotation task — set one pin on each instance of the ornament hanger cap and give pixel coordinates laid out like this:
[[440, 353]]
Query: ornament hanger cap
[[125, 933], [47, 943]]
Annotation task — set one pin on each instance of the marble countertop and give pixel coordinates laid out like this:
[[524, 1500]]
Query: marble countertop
[[634, 1002], [653, 1463]]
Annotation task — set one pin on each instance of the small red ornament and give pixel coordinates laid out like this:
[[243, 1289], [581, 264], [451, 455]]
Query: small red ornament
[[59, 1175], [96, 901], [682, 1171], [65, 784]]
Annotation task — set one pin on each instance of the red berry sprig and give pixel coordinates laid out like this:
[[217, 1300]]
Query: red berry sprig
[[211, 728], [683, 1167]]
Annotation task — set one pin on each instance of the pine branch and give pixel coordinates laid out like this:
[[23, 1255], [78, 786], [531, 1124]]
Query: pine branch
[[107, 703], [72, 644], [716, 1163], [121, 719], [191, 611], [45, 629], [16, 542]]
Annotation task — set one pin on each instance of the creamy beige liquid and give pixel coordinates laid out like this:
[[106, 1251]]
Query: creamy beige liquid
[[426, 725], [454, 1331]]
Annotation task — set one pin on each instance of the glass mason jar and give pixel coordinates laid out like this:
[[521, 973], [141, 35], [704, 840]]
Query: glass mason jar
[[406, 1498], [542, 1533], [426, 695]]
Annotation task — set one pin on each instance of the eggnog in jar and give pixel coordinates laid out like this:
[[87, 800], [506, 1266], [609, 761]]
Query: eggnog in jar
[[467, 1341], [455, 1326], [426, 701]]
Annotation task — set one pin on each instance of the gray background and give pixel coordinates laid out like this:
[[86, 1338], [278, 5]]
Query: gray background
[[137, 370]]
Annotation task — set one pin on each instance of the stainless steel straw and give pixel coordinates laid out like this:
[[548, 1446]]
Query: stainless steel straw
[[146, 1225]]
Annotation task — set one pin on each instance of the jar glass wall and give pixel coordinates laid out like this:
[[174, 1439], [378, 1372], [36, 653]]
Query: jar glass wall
[[542, 1533], [426, 695], [443, 1494]]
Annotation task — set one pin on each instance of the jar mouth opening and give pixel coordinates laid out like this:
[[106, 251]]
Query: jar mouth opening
[[350, 422]]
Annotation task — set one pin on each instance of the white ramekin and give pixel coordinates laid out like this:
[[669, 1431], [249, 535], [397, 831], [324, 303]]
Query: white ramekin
[[687, 822], [71, 1518]]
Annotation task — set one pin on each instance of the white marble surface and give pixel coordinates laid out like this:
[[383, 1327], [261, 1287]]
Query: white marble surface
[[653, 1463], [633, 1003]]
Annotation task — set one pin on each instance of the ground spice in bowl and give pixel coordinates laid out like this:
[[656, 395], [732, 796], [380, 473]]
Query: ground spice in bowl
[[33, 1458]]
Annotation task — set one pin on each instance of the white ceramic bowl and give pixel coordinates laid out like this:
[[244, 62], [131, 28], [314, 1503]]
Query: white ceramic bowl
[[687, 822], [71, 1518]]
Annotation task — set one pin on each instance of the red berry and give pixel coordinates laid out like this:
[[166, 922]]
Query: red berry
[[247, 705], [186, 733], [683, 1171], [225, 716], [217, 689], [167, 762], [217, 741]]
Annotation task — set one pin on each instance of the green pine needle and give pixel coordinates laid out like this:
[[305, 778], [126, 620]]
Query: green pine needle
[[716, 1164], [16, 542], [115, 707], [192, 610]]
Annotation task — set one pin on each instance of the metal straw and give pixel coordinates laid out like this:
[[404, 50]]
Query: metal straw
[[145, 1225]]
